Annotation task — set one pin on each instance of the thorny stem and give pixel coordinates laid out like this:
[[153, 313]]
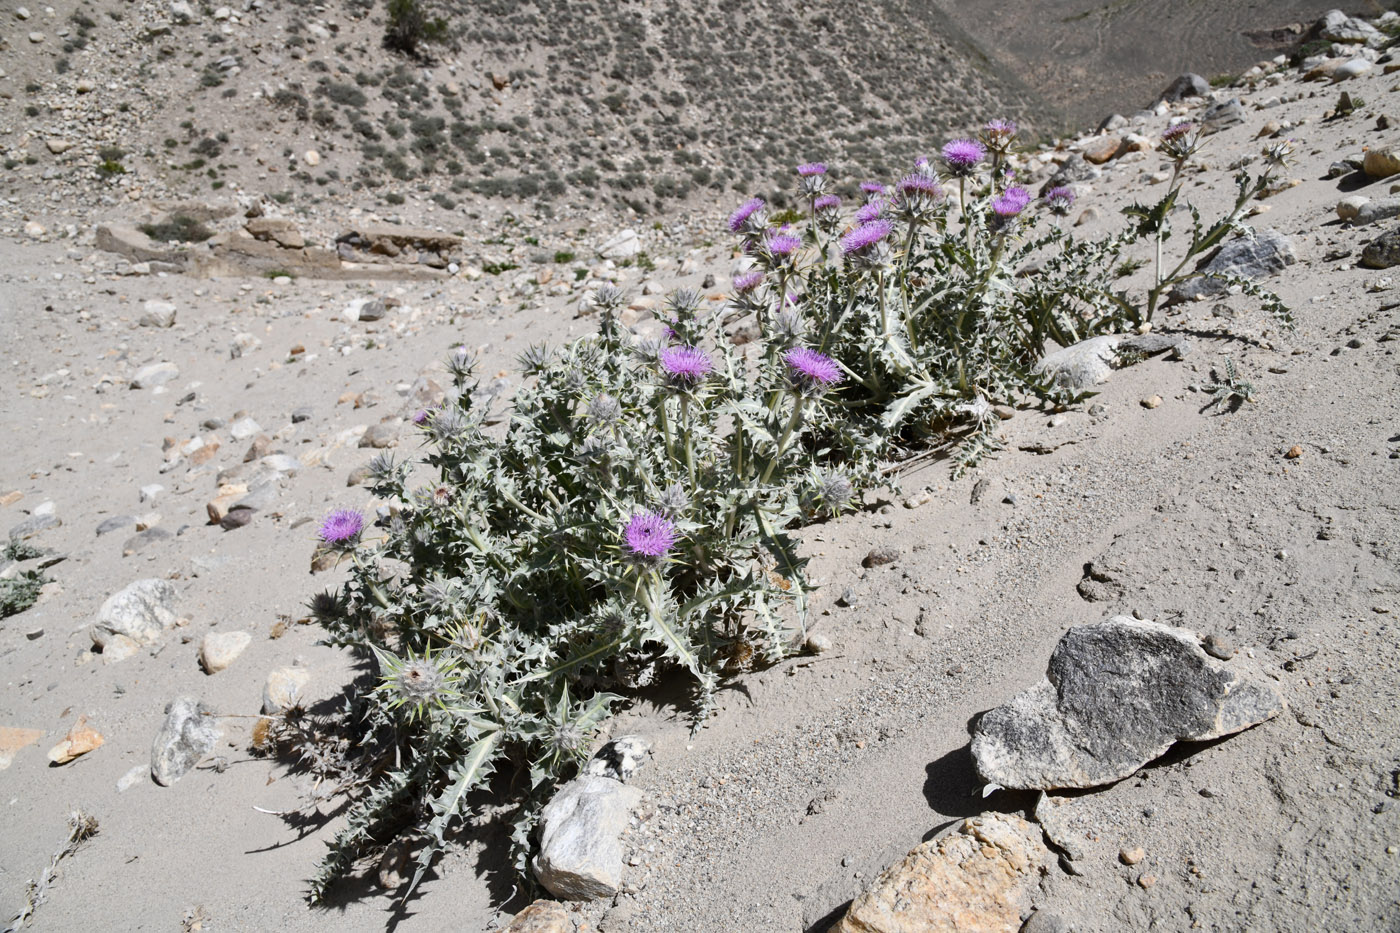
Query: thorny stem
[[686, 440], [796, 418]]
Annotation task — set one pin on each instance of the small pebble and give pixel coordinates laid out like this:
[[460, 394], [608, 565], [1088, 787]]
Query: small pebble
[[1132, 856]]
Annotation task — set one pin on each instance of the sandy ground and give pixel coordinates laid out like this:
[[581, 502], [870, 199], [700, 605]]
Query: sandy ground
[[818, 772]]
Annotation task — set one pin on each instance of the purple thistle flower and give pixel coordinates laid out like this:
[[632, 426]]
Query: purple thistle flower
[[807, 169], [746, 282], [1011, 202], [1177, 131], [812, 369], [649, 536], [781, 244], [962, 155], [740, 218], [827, 202], [870, 211], [421, 416], [917, 183], [872, 187], [866, 236], [341, 527], [1000, 128], [1058, 200], [686, 366]]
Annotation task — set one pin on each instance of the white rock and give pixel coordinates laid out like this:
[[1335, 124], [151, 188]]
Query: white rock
[[58, 146], [150, 491], [283, 689], [1351, 69], [581, 838], [244, 428], [22, 12], [311, 157], [220, 649], [157, 374], [158, 314], [181, 11], [141, 612], [1347, 208], [623, 245]]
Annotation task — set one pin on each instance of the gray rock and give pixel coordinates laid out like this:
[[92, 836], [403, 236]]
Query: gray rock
[[1074, 169], [1268, 252], [1376, 210], [1382, 252], [259, 498], [304, 413], [1336, 26], [380, 435], [33, 525], [189, 732], [620, 758], [281, 463], [1042, 921], [360, 475], [1221, 116], [236, 518], [365, 309], [144, 539], [879, 556], [1117, 694], [1082, 365], [157, 374], [141, 612], [158, 314], [581, 838], [244, 428], [1187, 85]]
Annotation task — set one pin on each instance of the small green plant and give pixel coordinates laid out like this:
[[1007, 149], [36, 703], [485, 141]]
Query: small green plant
[[563, 256], [496, 268], [178, 229], [21, 591], [279, 273], [1229, 391]]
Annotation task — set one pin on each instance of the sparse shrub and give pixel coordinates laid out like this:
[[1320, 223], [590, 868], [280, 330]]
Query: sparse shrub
[[410, 26], [21, 591], [177, 229]]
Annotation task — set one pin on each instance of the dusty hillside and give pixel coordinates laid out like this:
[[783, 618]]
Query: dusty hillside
[[137, 397]]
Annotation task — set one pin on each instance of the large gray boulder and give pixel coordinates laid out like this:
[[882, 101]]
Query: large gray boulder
[[1186, 85], [1266, 253], [1117, 695], [189, 732], [141, 612], [581, 838]]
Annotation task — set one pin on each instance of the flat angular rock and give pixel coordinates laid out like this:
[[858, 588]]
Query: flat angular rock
[[220, 649], [1268, 252], [80, 740], [977, 879], [141, 612], [158, 314], [623, 245], [188, 734], [581, 838], [1377, 210], [1082, 365], [1117, 695], [1221, 116], [157, 374]]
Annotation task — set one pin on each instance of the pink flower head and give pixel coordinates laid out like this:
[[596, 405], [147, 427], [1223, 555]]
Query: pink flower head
[[687, 366], [866, 236], [827, 202], [781, 244], [746, 282], [872, 187], [812, 369], [807, 169], [740, 218], [649, 536], [870, 211], [1011, 202], [962, 155], [341, 527]]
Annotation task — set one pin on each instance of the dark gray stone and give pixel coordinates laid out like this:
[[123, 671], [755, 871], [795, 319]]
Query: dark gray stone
[[1377, 210], [1186, 85], [1117, 694], [1072, 170], [304, 413], [189, 733], [1382, 252], [879, 556], [1268, 252], [1222, 116], [144, 539], [33, 525]]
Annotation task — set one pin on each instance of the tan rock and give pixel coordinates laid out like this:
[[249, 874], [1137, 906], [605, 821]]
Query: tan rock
[[58, 146], [119, 647], [12, 739], [80, 740], [542, 917], [283, 689], [977, 879], [228, 494], [1382, 161], [204, 454], [1099, 149], [282, 232], [220, 649]]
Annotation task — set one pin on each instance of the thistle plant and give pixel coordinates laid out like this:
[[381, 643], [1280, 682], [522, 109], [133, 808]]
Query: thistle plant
[[636, 517]]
